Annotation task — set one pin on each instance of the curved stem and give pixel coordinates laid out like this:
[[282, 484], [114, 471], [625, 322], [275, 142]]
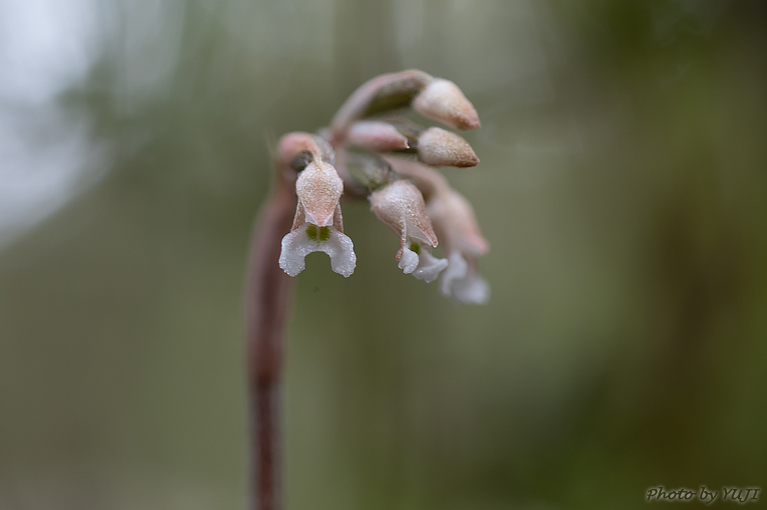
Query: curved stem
[[269, 292], [392, 90]]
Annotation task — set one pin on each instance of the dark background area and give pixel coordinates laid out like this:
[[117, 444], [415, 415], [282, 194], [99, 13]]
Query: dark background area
[[623, 190]]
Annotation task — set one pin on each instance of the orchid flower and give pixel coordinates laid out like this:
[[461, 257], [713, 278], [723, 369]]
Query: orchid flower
[[400, 206], [318, 224], [454, 218]]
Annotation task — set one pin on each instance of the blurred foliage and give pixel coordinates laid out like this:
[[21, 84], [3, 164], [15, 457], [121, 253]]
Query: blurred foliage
[[623, 191]]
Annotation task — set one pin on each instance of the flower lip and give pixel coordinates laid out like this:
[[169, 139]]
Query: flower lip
[[308, 238], [429, 267], [462, 281]]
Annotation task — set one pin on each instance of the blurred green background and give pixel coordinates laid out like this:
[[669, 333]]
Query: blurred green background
[[623, 190]]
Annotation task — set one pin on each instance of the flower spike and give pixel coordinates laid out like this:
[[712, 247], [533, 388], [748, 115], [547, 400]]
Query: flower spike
[[363, 131], [404, 194]]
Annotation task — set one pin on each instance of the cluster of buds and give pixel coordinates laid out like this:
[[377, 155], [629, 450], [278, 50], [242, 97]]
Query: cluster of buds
[[370, 150]]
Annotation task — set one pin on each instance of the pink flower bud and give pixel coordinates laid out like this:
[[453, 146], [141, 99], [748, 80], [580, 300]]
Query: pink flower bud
[[376, 136], [437, 147], [444, 102]]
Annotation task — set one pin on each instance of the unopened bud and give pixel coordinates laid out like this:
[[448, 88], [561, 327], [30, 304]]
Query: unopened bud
[[437, 147], [376, 136], [444, 102]]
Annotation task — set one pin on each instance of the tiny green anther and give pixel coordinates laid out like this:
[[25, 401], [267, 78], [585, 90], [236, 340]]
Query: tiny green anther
[[324, 233], [311, 232], [415, 247]]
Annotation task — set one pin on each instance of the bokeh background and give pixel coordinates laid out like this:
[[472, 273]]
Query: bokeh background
[[623, 189]]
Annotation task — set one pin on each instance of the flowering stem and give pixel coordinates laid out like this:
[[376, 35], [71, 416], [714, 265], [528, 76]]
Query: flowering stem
[[308, 184], [268, 298]]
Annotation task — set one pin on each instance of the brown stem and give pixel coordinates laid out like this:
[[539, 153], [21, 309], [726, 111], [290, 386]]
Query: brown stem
[[268, 297]]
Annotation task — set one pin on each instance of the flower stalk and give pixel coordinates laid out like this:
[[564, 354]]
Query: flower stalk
[[364, 154], [267, 303]]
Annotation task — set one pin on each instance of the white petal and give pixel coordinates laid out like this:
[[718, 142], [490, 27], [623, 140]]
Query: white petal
[[429, 266], [456, 270], [466, 287], [341, 251], [297, 245], [472, 290], [409, 261]]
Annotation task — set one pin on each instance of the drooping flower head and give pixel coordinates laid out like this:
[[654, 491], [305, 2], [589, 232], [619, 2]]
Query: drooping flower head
[[400, 206], [374, 142]]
